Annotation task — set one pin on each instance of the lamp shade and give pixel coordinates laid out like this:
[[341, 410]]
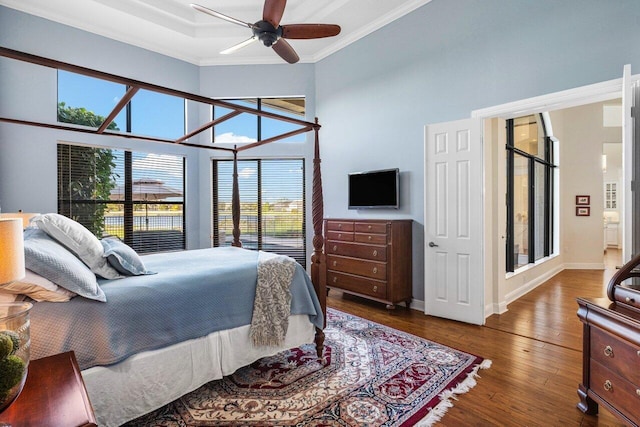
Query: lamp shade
[[11, 250], [25, 217]]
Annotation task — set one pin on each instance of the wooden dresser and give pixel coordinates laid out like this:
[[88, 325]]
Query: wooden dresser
[[611, 359], [370, 258]]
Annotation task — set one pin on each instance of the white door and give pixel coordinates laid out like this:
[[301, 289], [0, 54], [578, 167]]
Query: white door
[[454, 269]]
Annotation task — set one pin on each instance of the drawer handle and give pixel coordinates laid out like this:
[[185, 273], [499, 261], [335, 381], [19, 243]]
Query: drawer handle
[[369, 227], [629, 299], [638, 391], [375, 270], [607, 385], [608, 351], [339, 235], [375, 253], [335, 279], [335, 263], [375, 289], [335, 247], [369, 237], [339, 225]]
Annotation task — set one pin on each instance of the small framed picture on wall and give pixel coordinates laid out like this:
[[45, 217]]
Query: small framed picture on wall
[[583, 200], [583, 211]]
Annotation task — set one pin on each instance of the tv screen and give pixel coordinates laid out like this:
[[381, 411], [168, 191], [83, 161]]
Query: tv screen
[[374, 189]]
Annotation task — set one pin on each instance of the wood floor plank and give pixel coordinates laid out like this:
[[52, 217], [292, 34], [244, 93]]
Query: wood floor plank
[[535, 348]]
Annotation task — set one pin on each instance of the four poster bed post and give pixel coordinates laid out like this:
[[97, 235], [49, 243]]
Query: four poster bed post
[[318, 275]]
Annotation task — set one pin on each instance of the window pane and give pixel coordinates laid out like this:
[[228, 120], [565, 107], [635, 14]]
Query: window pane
[[239, 129], [290, 107], [283, 207], [539, 209], [271, 205], [520, 210], [91, 190], [528, 135], [157, 114], [88, 101]]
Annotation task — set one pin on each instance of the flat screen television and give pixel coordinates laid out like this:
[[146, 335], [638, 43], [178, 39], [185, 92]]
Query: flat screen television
[[374, 189]]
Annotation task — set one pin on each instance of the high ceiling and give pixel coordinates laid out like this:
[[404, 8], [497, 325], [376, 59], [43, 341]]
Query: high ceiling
[[173, 28]]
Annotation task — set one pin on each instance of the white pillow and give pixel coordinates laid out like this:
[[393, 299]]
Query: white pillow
[[39, 288], [78, 240]]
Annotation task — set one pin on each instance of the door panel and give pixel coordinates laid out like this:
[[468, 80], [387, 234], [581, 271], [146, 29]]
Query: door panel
[[454, 270]]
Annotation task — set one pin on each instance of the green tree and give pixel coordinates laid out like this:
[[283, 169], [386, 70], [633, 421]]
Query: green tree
[[79, 187]]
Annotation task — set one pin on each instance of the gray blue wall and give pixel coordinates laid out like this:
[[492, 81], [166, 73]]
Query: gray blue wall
[[373, 98]]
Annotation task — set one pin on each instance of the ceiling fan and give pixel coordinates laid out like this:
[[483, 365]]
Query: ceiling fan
[[271, 33]]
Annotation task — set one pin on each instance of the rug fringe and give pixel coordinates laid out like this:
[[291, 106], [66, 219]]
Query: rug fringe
[[446, 396]]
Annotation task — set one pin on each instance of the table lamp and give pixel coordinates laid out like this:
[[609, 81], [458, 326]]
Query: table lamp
[[11, 250], [25, 217]]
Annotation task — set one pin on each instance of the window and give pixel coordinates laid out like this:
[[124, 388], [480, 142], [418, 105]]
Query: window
[[254, 128], [138, 197], [272, 213], [84, 100], [529, 191]]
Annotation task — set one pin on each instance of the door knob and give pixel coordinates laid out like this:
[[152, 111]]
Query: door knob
[[432, 245]]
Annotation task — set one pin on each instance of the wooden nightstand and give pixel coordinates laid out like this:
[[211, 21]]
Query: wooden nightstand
[[53, 395]]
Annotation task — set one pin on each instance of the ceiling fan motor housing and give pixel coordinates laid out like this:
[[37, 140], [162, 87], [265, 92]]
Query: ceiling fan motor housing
[[266, 33]]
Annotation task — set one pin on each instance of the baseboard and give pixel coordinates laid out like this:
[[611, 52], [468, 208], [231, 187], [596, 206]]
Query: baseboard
[[584, 266], [531, 285], [417, 304], [495, 308]]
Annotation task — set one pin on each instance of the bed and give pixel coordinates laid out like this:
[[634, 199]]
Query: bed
[[128, 381], [159, 336]]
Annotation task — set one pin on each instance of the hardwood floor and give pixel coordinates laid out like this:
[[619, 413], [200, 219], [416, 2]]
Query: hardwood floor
[[536, 350]]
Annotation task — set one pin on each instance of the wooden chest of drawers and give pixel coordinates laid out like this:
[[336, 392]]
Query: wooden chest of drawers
[[370, 258], [611, 359]]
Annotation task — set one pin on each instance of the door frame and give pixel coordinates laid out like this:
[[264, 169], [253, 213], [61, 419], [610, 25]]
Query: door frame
[[598, 92]]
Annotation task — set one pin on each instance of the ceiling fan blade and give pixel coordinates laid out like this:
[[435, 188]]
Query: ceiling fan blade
[[238, 46], [220, 15], [285, 51], [273, 10], [309, 31]]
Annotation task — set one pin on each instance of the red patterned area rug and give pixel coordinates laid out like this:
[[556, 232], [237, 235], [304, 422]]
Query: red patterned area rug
[[372, 375]]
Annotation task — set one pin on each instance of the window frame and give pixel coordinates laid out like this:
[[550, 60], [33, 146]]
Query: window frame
[[549, 208]]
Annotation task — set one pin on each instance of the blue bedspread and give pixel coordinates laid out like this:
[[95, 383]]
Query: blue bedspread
[[195, 293]]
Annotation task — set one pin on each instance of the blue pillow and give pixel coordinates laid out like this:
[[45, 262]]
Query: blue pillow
[[123, 258], [51, 260]]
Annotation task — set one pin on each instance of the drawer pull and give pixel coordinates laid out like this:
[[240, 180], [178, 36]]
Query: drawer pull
[[369, 237], [629, 299], [607, 385], [375, 252], [369, 227], [638, 391], [339, 225], [608, 351], [339, 235], [335, 248], [335, 263], [375, 289], [375, 270], [335, 279]]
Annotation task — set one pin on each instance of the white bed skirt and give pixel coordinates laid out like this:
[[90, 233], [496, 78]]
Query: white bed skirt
[[149, 380]]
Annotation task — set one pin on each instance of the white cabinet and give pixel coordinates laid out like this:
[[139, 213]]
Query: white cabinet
[[610, 195], [611, 235]]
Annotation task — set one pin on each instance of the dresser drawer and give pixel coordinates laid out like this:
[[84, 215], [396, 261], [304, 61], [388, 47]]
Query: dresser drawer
[[340, 225], [616, 390], [376, 239], [344, 236], [366, 227], [357, 250], [619, 356], [374, 288], [376, 270]]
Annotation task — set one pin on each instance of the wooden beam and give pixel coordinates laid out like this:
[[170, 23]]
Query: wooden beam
[[123, 101], [209, 125], [52, 63], [275, 138]]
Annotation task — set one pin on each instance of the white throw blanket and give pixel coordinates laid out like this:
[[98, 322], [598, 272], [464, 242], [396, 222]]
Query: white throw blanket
[[272, 305]]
